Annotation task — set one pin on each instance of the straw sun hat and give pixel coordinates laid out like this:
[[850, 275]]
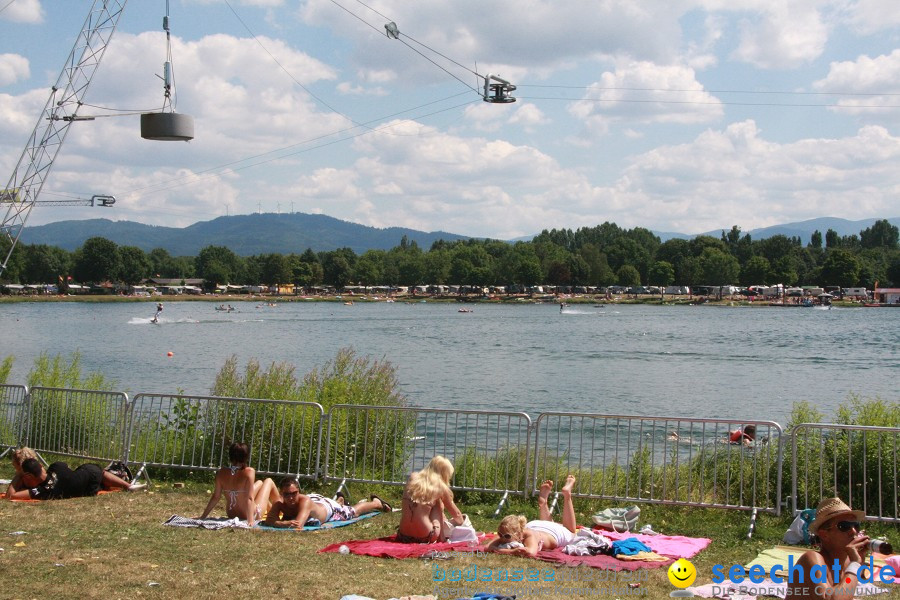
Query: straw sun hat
[[831, 508]]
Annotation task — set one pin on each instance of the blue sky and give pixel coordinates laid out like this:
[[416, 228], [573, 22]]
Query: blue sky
[[676, 115]]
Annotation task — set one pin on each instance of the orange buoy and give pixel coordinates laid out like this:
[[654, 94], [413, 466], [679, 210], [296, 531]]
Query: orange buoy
[[169, 354]]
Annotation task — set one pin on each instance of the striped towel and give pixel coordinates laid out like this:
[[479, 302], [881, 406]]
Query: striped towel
[[178, 521]]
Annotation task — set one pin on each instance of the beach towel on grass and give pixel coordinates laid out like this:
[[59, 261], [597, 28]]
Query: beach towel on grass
[[389, 547], [779, 555], [327, 525], [673, 546], [3, 497], [223, 523]]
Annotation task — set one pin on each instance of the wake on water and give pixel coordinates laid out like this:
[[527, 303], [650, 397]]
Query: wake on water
[[161, 321]]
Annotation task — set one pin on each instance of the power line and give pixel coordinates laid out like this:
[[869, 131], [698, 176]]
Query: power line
[[709, 102], [282, 67], [347, 10], [711, 91]]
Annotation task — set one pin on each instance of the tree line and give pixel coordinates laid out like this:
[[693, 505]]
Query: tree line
[[592, 256]]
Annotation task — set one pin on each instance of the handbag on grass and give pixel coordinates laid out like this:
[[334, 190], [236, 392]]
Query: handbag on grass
[[619, 520]]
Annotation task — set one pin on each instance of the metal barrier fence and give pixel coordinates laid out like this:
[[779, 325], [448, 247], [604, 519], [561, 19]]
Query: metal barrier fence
[[664, 460], [194, 432], [13, 405], [383, 444], [661, 460], [854, 462], [82, 423]]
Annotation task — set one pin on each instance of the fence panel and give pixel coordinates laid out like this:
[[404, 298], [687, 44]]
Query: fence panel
[[81, 423], [663, 460], [13, 409], [383, 444], [194, 432], [857, 463]]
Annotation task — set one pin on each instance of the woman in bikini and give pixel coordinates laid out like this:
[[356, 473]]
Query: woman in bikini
[[246, 498], [517, 535], [426, 496]]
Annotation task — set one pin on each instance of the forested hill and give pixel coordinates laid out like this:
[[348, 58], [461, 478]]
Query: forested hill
[[267, 233], [245, 235]]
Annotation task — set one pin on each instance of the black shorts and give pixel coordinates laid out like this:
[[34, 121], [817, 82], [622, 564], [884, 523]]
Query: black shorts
[[87, 480]]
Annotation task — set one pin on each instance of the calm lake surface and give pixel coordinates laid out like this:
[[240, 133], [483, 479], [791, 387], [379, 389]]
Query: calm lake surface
[[717, 362]]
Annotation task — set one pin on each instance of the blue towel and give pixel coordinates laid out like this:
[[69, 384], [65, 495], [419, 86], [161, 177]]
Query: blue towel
[[310, 526], [628, 547]]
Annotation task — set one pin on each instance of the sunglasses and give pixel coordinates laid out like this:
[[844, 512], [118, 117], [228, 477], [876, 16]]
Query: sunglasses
[[848, 525], [289, 493], [506, 536]]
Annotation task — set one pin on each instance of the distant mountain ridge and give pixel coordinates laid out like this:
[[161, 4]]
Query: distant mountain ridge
[[294, 233], [245, 235]]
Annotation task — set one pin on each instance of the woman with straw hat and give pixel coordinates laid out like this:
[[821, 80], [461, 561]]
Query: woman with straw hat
[[832, 572]]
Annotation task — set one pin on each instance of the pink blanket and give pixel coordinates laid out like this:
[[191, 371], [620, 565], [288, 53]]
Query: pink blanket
[[673, 546], [389, 547]]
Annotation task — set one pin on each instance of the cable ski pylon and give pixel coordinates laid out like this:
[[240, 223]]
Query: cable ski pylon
[[61, 110]]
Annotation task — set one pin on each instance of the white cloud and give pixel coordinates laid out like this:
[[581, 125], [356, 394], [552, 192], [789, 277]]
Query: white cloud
[[878, 77], [522, 36], [13, 68], [870, 16], [785, 35], [23, 11], [643, 92], [737, 176], [528, 116], [348, 88]]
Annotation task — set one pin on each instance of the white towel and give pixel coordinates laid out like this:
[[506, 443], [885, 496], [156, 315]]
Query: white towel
[[235, 523], [587, 543]]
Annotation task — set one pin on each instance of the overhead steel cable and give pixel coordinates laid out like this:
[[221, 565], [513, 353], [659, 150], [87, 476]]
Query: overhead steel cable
[[711, 91], [709, 102], [282, 67], [362, 20]]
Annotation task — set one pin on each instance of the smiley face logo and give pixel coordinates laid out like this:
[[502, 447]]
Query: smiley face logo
[[682, 573]]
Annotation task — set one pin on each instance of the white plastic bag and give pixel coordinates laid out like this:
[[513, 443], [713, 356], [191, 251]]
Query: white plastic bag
[[464, 532], [798, 532]]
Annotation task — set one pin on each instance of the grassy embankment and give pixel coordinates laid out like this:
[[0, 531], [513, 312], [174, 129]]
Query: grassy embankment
[[113, 546]]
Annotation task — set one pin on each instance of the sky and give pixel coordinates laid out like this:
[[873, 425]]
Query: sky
[[675, 115]]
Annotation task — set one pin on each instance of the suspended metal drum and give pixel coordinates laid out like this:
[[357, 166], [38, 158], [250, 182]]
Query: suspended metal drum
[[167, 127]]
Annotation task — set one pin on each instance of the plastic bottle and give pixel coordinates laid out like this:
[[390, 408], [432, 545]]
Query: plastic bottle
[[881, 546]]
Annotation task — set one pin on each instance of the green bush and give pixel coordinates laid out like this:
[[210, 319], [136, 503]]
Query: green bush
[[61, 372], [504, 469], [830, 462], [78, 423], [375, 442], [5, 369]]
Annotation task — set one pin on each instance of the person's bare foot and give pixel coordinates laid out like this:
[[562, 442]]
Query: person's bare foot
[[546, 487], [569, 485]]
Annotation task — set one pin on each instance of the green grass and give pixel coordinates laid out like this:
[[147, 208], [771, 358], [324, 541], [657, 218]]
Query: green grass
[[113, 546]]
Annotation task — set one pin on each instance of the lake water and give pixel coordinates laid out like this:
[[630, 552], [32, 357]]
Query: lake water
[[716, 362]]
